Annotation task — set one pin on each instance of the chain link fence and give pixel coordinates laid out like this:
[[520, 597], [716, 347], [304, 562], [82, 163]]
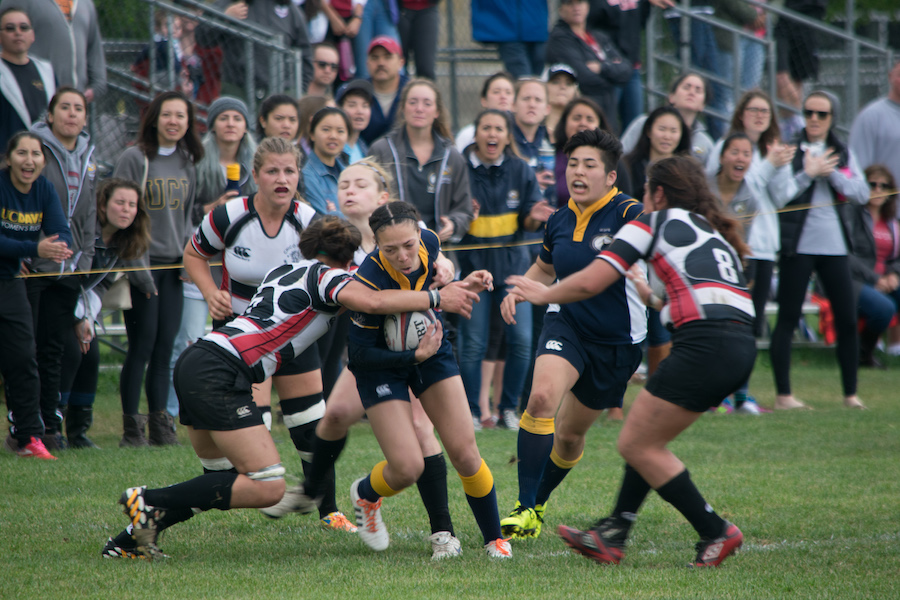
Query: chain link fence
[[187, 46]]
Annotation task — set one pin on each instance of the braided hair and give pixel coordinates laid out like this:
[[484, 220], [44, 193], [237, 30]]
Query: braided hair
[[330, 236], [393, 213]]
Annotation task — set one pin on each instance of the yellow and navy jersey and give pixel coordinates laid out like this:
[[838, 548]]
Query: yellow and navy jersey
[[377, 273], [572, 240], [506, 193], [701, 271]]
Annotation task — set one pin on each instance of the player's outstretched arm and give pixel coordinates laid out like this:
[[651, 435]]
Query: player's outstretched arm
[[452, 298], [582, 285]]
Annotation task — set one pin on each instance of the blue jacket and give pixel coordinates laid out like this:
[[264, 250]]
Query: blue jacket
[[23, 217], [321, 185], [506, 194], [509, 20], [380, 124]]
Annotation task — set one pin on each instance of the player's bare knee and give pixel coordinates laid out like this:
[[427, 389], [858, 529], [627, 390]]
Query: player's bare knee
[[406, 473], [542, 404]]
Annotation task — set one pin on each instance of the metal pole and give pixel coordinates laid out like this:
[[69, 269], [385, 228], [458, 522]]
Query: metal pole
[[170, 51], [652, 83], [684, 49], [454, 92], [250, 76], [151, 67]]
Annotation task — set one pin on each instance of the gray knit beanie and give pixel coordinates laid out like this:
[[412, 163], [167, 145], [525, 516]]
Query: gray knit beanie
[[224, 103]]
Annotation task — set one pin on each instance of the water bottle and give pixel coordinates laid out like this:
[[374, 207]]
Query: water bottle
[[547, 157], [233, 175]]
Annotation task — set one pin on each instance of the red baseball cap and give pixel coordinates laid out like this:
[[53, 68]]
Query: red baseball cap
[[386, 42]]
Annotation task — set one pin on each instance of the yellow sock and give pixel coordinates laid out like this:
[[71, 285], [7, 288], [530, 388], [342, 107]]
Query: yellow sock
[[563, 463], [535, 425], [381, 486], [480, 484]]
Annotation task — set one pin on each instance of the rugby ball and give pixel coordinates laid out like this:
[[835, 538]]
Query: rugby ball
[[402, 331]]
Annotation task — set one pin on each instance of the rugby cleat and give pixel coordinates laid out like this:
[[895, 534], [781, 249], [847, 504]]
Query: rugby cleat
[[538, 519], [144, 519], [114, 549], [338, 522], [371, 528], [522, 522], [498, 548], [444, 545], [593, 543], [294, 500], [711, 552]]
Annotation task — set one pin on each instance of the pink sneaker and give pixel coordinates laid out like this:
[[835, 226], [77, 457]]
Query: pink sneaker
[[35, 449]]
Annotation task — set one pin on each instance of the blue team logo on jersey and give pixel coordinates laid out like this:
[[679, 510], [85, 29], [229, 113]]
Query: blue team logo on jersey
[[512, 199]]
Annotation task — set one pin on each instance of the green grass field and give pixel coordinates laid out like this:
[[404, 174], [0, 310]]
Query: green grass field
[[816, 493]]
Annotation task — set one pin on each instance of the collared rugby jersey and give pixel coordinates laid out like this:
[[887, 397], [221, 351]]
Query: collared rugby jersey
[[248, 252], [572, 240]]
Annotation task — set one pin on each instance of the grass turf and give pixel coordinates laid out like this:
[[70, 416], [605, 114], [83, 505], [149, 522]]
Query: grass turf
[[816, 493]]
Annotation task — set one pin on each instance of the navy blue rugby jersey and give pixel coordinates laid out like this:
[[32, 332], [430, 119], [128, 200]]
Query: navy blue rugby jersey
[[377, 273], [572, 240]]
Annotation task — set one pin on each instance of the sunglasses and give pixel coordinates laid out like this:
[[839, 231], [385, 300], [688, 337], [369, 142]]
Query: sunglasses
[[11, 28], [326, 65], [877, 185], [820, 114]]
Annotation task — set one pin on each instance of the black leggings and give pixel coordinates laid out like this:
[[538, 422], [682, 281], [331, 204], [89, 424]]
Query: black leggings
[[151, 324], [18, 361], [78, 384], [759, 274], [53, 306], [834, 276]]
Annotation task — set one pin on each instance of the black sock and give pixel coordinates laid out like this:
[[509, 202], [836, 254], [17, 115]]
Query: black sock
[[681, 493], [320, 477], [211, 490], [432, 486], [633, 491], [301, 416]]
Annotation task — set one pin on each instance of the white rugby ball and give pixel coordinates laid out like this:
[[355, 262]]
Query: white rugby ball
[[402, 331]]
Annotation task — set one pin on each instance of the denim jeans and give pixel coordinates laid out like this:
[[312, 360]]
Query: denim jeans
[[376, 20], [753, 62], [705, 55], [522, 59], [630, 100], [193, 326], [473, 346], [877, 308]]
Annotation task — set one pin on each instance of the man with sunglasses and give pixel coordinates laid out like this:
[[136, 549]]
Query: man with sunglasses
[[26, 83], [875, 134], [68, 35], [325, 70]]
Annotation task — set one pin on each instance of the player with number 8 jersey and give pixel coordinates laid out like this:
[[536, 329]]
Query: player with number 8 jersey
[[695, 250]]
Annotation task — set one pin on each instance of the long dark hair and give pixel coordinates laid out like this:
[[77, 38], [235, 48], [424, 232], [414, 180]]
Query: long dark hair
[[684, 185], [559, 134], [642, 148], [270, 104], [133, 241], [148, 132], [889, 209], [511, 149], [325, 112], [772, 134]]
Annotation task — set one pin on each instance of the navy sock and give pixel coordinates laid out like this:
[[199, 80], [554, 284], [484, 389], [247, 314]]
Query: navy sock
[[553, 476], [486, 515], [365, 490], [534, 455]]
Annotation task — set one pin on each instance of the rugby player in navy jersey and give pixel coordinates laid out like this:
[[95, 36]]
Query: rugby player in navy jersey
[[588, 350], [695, 251]]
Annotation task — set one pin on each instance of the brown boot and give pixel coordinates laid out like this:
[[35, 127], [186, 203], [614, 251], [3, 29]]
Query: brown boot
[[133, 427], [162, 429]]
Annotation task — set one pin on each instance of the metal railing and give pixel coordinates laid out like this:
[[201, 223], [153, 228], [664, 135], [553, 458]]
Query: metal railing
[[132, 83], [841, 73]]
